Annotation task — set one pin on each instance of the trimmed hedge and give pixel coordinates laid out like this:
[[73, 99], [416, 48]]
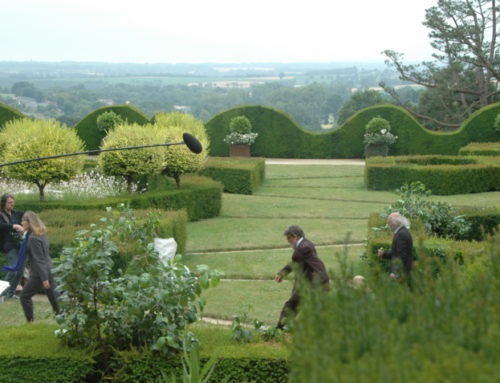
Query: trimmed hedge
[[92, 136], [200, 196], [63, 225], [262, 370], [241, 175], [442, 175], [481, 149], [8, 113], [281, 136], [31, 354]]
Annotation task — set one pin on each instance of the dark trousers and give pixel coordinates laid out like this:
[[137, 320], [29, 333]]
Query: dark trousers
[[31, 287], [13, 277], [289, 308]]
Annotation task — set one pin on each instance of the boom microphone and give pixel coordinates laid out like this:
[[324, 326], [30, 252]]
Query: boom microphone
[[192, 143]]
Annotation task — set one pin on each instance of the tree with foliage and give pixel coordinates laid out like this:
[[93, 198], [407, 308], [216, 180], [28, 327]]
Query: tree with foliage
[[359, 100], [131, 163], [108, 120], [111, 305], [179, 159], [465, 74], [24, 139]]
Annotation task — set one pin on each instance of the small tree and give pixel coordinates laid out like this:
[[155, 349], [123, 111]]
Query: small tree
[[378, 137], [25, 139], [108, 120], [179, 159], [130, 163], [240, 132]]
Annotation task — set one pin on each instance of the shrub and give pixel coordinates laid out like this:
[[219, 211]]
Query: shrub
[[242, 175], [40, 139], [108, 120], [481, 149], [131, 163], [179, 159], [439, 218], [145, 303], [439, 173], [240, 132], [92, 136]]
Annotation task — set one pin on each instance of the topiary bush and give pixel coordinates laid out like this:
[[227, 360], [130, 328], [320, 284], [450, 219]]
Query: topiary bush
[[92, 136]]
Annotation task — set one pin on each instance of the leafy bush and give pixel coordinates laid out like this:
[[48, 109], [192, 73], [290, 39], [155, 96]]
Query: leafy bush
[[112, 304], [40, 139], [446, 329], [180, 160], [108, 120], [439, 218], [131, 163]]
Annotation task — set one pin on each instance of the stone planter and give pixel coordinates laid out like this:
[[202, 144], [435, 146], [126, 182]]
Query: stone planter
[[373, 150], [239, 151]]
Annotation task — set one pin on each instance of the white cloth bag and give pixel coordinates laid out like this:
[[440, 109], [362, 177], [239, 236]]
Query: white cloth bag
[[166, 248]]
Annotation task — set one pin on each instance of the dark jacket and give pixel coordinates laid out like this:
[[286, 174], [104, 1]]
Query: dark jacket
[[9, 237], [37, 253], [402, 246], [306, 258]]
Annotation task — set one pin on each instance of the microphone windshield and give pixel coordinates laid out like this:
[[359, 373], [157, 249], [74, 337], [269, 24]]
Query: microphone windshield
[[192, 143]]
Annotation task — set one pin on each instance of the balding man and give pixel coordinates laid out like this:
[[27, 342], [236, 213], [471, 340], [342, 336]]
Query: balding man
[[402, 243]]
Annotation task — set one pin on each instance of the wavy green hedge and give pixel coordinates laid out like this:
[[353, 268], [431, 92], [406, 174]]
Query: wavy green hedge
[[8, 113], [92, 136], [280, 136], [241, 175], [442, 175]]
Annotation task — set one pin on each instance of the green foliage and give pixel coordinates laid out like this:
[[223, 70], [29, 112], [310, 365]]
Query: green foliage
[[439, 218], [242, 175], [40, 139], [281, 137], [480, 149], [144, 303], [241, 331], [108, 120], [179, 159], [201, 197], [377, 124], [8, 113], [497, 122], [240, 124], [442, 174], [445, 329], [359, 100], [131, 163], [92, 136], [32, 353]]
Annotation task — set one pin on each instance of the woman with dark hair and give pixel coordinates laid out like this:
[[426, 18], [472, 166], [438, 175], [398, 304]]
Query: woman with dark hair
[[10, 239], [37, 252]]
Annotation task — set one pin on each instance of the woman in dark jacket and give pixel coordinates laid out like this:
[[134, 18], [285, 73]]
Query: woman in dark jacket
[[37, 253]]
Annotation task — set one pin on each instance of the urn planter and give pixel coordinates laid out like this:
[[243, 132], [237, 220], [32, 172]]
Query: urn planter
[[239, 151]]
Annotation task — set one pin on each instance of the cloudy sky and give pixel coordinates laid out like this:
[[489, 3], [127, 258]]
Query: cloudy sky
[[223, 31]]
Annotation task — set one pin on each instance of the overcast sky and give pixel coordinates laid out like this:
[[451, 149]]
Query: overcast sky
[[223, 31]]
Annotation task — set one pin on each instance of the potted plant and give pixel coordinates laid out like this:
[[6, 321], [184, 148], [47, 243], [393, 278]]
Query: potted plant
[[240, 137], [378, 137]]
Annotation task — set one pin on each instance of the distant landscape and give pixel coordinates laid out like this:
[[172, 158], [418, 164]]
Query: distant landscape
[[312, 93]]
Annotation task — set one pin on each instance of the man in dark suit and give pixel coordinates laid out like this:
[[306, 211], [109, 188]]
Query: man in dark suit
[[306, 260], [402, 245]]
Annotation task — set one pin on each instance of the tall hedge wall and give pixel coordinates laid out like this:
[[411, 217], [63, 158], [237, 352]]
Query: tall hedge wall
[[8, 113], [92, 136], [280, 136]]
